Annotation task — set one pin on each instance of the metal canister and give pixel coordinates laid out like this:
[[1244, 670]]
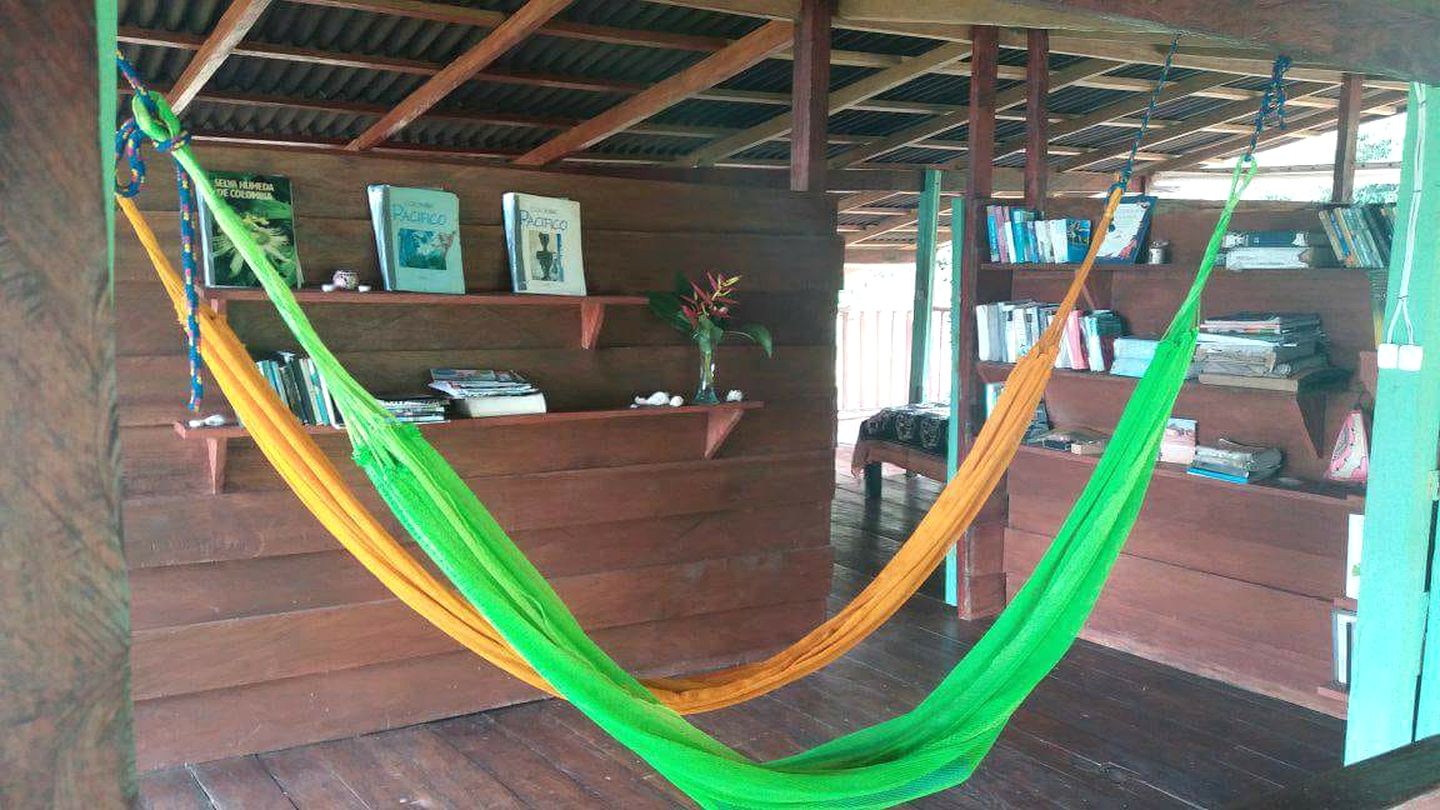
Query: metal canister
[[1159, 252]]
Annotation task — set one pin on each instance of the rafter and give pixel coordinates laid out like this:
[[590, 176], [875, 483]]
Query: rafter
[[1227, 112], [1297, 126], [745, 53], [935, 126], [239, 17], [838, 100], [505, 36]]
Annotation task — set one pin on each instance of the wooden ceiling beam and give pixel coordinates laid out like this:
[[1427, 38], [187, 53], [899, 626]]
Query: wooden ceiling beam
[[502, 38], [1005, 98], [485, 18], [1390, 37], [239, 17], [838, 100], [744, 53]]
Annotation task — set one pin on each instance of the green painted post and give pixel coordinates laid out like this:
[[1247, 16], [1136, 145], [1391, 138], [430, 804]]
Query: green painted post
[[926, 236], [952, 461], [1389, 635]]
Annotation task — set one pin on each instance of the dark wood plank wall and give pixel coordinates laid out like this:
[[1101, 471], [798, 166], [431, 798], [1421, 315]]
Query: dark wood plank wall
[[254, 630], [1228, 581], [65, 723]]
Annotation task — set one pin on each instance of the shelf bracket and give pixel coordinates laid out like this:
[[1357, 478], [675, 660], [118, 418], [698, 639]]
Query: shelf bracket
[[592, 317], [1311, 408], [718, 426]]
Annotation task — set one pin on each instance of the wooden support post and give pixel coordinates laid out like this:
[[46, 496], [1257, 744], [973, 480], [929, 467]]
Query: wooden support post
[[1347, 136], [65, 729], [978, 553], [926, 235], [1386, 673], [810, 95], [1037, 118]]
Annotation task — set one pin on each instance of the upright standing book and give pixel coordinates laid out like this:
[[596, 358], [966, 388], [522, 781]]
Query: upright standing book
[[542, 235], [417, 233], [1128, 229], [264, 204]]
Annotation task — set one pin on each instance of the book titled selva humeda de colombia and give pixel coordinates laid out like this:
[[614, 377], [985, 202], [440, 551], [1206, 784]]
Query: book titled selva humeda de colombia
[[417, 234], [542, 235], [264, 204]]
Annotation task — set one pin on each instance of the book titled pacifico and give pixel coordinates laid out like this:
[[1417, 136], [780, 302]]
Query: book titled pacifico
[[417, 234], [542, 235]]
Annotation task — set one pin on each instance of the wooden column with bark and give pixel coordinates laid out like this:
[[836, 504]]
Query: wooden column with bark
[[1037, 120], [1347, 138], [981, 587], [64, 629], [809, 96]]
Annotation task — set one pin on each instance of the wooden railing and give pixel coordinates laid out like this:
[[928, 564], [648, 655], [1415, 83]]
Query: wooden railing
[[872, 361]]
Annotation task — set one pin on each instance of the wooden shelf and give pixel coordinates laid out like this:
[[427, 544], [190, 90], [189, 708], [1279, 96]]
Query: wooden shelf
[[1334, 691], [720, 422], [1307, 491], [1070, 267], [1307, 406], [592, 307]]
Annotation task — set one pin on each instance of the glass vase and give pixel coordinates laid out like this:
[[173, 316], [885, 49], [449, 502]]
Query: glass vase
[[705, 392]]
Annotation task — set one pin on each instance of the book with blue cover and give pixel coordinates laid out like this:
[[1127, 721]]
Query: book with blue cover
[[417, 234]]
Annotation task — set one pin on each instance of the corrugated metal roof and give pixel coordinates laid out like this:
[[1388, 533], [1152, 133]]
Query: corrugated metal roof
[[498, 116]]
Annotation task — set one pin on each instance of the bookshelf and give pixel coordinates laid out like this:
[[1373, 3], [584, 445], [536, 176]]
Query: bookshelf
[[720, 421], [592, 307], [1213, 570]]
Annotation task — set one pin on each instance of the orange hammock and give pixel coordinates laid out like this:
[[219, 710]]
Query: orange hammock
[[319, 486]]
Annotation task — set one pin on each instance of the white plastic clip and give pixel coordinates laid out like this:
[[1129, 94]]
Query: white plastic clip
[[1411, 357]]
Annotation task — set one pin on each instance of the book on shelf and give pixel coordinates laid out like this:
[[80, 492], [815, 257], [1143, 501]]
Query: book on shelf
[[265, 205], [1342, 630], [1295, 383], [297, 381], [1079, 441], [543, 241], [1020, 236], [1039, 421], [1177, 445], [1360, 235], [1128, 229], [1006, 330], [1133, 356], [487, 392], [1273, 239], [1274, 351], [1235, 462], [1306, 257], [1354, 547], [415, 410], [417, 234]]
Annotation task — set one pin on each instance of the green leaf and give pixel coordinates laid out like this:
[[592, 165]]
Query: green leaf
[[667, 307], [757, 334]]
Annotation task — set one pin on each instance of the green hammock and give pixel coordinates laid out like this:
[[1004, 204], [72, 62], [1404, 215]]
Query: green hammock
[[934, 746]]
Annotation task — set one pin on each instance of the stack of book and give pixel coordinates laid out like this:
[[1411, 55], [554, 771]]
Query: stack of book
[[1275, 351], [1077, 440], [1360, 235], [1277, 250], [1007, 329], [1019, 236], [298, 383], [1235, 462], [416, 410], [486, 392], [1133, 356]]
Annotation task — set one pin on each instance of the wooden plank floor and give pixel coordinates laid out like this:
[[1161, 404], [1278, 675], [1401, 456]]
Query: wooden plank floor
[[1105, 730]]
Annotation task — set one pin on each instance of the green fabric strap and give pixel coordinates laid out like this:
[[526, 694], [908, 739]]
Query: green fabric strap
[[932, 747]]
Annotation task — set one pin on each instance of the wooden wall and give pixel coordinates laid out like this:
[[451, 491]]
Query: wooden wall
[[253, 630]]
